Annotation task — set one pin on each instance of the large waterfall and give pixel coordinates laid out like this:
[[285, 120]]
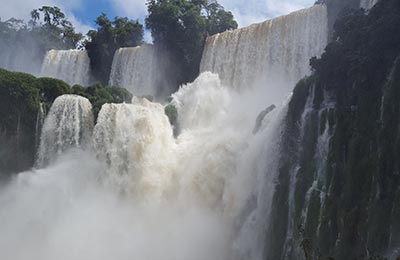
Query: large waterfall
[[130, 189], [274, 53], [68, 124], [72, 66], [138, 69]]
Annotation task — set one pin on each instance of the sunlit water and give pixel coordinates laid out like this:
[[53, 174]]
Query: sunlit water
[[129, 189]]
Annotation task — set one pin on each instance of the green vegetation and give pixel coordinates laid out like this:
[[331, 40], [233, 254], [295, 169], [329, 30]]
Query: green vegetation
[[110, 36], [172, 114], [180, 27], [98, 95], [57, 31], [21, 96]]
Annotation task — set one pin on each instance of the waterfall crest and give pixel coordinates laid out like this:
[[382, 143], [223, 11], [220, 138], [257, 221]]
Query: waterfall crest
[[274, 53], [138, 69], [68, 124], [71, 66]]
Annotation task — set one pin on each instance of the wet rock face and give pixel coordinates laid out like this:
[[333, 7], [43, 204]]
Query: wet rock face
[[261, 117], [338, 190], [335, 7]]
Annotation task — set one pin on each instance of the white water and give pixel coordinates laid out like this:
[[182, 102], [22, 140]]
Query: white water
[[69, 123], [140, 193], [136, 140], [71, 66], [274, 54], [138, 69]]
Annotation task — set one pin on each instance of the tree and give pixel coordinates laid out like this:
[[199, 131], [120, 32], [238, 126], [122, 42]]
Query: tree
[[219, 20], [23, 45], [180, 27], [109, 36], [55, 30]]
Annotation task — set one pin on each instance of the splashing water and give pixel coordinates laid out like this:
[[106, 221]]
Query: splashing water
[[135, 140], [140, 192], [68, 124]]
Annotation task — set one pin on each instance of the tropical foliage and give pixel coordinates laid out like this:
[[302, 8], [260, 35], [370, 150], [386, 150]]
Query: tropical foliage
[[107, 38]]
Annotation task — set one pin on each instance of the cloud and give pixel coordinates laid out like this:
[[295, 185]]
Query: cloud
[[21, 9], [246, 12], [254, 11], [134, 9]]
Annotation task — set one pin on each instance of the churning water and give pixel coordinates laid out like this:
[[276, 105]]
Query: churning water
[[128, 189]]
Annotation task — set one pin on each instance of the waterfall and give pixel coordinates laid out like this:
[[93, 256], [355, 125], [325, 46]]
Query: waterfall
[[71, 66], [40, 117], [138, 70], [68, 124], [135, 141], [142, 193], [274, 54]]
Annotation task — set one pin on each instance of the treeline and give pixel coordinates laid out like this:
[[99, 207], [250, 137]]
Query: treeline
[[178, 27]]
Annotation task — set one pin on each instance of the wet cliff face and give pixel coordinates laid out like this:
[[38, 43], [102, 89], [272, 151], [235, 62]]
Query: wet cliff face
[[335, 7], [338, 189]]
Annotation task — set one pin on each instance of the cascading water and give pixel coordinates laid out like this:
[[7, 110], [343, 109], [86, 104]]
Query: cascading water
[[72, 66], [135, 140], [138, 69], [205, 194], [40, 117], [69, 123], [275, 52], [148, 195]]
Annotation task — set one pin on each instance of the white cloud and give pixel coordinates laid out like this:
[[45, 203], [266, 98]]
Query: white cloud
[[253, 11], [134, 9], [21, 9], [246, 12]]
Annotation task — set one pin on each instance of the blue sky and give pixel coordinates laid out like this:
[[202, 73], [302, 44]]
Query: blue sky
[[83, 12], [90, 9]]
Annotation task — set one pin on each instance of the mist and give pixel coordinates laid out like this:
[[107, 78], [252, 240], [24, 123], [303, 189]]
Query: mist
[[21, 53], [133, 186], [66, 211], [174, 198]]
